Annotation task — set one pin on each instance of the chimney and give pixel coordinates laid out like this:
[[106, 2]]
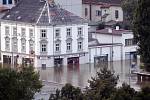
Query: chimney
[[117, 28], [109, 30]]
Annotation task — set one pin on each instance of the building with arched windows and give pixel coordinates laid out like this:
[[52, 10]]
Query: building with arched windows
[[41, 32]]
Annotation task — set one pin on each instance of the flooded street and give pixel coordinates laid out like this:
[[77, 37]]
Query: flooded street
[[78, 76]]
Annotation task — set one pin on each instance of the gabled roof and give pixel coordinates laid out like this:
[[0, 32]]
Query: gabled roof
[[41, 13]]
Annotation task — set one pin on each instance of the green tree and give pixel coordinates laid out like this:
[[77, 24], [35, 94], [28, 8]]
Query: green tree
[[142, 31], [102, 86], [68, 92], [129, 7], [19, 85], [144, 94], [124, 93]]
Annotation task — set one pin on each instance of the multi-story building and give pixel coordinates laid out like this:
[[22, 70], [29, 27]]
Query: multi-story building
[[102, 10], [40, 32], [112, 44], [94, 10], [7, 3]]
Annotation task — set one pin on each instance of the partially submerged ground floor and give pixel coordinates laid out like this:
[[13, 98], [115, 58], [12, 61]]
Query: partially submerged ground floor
[[96, 54]]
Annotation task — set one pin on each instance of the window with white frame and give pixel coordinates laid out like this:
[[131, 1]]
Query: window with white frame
[[69, 46], [80, 45], [6, 30], [130, 42], [43, 33], [98, 12], [23, 45], [86, 11], [31, 35], [31, 45], [57, 47], [57, 33], [68, 32], [14, 31], [23, 32], [80, 31], [116, 14], [7, 44], [15, 45], [43, 47]]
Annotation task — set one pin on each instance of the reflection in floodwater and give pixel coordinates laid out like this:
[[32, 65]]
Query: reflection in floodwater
[[78, 75]]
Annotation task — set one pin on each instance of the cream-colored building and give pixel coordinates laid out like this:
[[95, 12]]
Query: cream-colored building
[[102, 10]]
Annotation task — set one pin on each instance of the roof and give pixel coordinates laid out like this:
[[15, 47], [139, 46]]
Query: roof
[[105, 44], [102, 2], [41, 13], [114, 32]]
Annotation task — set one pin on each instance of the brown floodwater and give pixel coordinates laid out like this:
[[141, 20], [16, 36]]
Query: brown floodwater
[[78, 75]]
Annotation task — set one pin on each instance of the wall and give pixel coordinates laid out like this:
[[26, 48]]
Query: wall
[[110, 11], [107, 38], [74, 6], [106, 49], [7, 5]]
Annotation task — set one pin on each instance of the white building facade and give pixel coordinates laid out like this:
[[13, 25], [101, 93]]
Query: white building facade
[[55, 37], [7, 3], [114, 44]]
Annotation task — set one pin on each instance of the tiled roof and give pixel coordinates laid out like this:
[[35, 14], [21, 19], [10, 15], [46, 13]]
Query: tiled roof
[[101, 2], [35, 11], [114, 32]]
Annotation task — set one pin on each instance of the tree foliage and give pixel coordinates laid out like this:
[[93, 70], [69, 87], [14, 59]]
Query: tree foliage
[[124, 93], [142, 30], [68, 92], [19, 85], [105, 80], [129, 7]]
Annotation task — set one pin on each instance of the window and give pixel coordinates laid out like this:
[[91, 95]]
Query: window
[[116, 14], [31, 45], [86, 11], [4, 2], [23, 45], [43, 34], [80, 31], [6, 30], [98, 13], [57, 47], [43, 47], [68, 32], [23, 32], [9, 1], [57, 33], [14, 31], [15, 45], [68, 46], [30, 33], [130, 42], [7, 44], [79, 45]]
